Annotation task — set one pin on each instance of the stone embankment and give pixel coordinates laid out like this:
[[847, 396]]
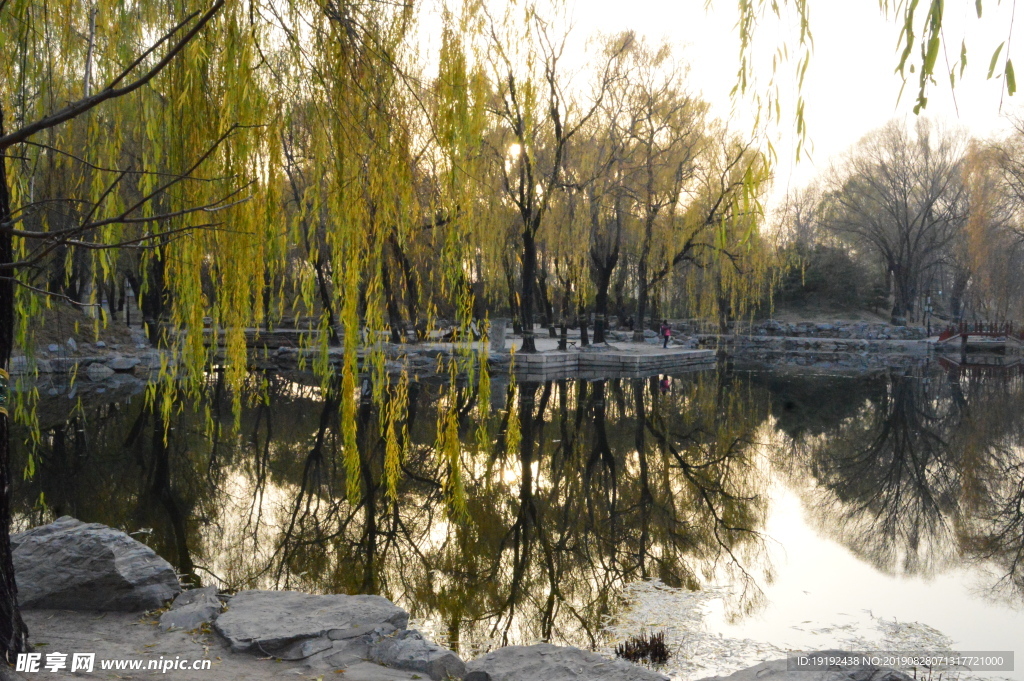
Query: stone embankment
[[844, 345], [834, 329], [824, 353]]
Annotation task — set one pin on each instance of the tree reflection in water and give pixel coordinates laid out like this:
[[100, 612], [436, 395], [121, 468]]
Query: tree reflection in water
[[913, 471], [585, 486], [603, 483]]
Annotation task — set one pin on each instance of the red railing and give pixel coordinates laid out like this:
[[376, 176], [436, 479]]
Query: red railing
[[985, 329]]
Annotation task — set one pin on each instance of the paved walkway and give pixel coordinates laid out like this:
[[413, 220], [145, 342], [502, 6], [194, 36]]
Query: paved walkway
[[546, 344]]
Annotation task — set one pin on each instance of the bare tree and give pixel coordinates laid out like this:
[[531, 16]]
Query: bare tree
[[537, 117], [900, 195]]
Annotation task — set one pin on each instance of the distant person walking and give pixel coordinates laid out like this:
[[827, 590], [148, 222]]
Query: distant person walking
[[666, 332]]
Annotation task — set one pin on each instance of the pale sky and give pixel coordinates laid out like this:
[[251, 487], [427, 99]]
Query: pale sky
[[850, 87]]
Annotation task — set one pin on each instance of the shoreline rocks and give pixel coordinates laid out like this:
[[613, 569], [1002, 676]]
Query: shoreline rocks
[[553, 663], [72, 565], [845, 344]]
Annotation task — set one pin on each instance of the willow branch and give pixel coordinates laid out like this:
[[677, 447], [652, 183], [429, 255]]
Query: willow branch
[[111, 91]]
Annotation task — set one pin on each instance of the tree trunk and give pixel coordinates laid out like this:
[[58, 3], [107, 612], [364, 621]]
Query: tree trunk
[[394, 315], [545, 301], [153, 300], [601, 269], [110, 286], [601, 273], [529, 281], [13, 632], [903, 300], [620, 295], [584, 337], [601, 310], [412, 299], [641, 301], [513, 302], [323, 288]]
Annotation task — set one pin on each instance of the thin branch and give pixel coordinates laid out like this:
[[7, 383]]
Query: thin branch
[[48, 293], [123, 217], [111, 91], [103, 169]]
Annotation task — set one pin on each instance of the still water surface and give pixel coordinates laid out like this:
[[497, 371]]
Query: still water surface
[[813, 511]]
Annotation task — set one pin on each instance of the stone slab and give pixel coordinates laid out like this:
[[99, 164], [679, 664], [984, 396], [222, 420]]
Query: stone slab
[[270, 621]]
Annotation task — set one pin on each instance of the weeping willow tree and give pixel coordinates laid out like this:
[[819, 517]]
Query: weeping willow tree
[[130, 126], [378, 160], [174, 125]]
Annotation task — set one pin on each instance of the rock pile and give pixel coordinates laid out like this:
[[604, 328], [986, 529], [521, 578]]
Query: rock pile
[[836, 329]]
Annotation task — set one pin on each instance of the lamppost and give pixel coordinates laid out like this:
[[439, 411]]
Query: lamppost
[[928, 311]]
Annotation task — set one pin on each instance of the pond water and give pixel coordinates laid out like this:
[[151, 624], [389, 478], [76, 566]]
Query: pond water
[[877, 511]]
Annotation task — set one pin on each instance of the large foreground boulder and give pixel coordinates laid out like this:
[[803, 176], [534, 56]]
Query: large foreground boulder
[[71, 565], [548, 662], [271, 622]]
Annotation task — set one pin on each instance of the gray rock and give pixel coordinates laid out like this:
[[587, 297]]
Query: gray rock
[[101, 344], [97, 372], [19, 365], [408, 650], [307, 647], [368, 671], [53, 347], [553, 663], [192, 609], [778, 670], [340, 655], [269, 621], [497, 334], [121, 363], [71, 345], [207, 594], [71, 565], [362, 630]]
